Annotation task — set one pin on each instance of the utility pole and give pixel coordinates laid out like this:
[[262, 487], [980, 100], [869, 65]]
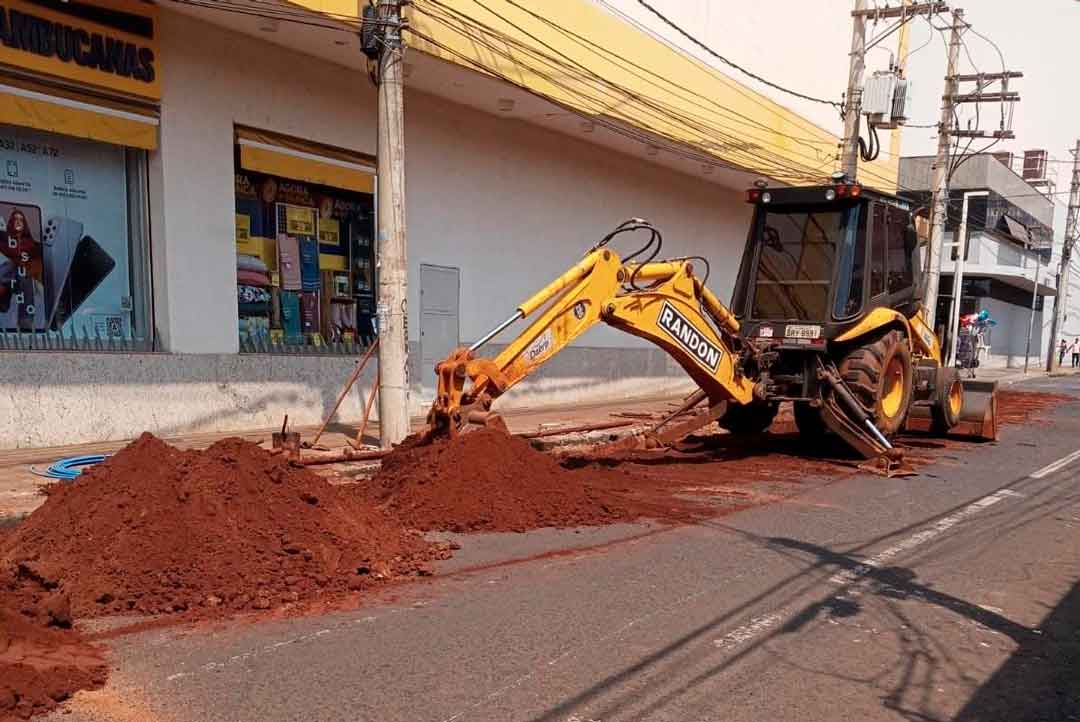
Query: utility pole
[[939, 184], [1072, 231], [853, 98], [849, 160], [391, 266]]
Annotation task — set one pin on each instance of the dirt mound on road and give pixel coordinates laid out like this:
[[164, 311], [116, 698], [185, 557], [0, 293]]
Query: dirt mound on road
[[156, 529], [488, 481], [1020, 407], [42, 660]]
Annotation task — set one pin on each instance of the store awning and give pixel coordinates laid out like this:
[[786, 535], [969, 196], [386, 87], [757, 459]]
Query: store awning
[[71, 116], [287, 157]]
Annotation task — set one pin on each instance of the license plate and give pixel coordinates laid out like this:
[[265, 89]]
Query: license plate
[[802, 332]]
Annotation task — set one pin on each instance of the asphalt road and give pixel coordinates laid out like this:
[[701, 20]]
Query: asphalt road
[[951, 595]]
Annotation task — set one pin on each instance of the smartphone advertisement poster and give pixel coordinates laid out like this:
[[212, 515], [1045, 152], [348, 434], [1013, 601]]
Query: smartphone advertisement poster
[[64, 248]]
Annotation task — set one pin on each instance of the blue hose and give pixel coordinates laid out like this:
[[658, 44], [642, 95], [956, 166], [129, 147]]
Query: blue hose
[[68, 469]]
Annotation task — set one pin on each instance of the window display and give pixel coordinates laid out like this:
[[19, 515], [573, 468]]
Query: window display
[[72, 245], [304, 260]]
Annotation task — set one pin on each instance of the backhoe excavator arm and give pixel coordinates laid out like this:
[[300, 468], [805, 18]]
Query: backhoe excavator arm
[[668, 311]]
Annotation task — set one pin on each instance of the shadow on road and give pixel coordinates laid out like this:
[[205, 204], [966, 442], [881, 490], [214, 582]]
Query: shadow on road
[[1041, 680]]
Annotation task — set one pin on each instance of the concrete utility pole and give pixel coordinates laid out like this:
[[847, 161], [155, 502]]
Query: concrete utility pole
[[960, 243], [849, 159], [1072, 231], [391, 268], [940, 184]]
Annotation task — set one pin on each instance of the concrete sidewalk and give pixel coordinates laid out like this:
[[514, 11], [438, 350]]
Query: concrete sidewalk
[[20, 488], [1008, 376]]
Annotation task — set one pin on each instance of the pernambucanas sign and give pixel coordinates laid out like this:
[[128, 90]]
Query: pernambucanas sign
[[110, 43]]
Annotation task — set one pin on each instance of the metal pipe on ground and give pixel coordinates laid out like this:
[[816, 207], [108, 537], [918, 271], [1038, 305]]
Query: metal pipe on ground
[[578, 429]]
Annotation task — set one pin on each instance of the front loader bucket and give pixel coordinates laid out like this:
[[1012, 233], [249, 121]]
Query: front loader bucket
[[978, 415]]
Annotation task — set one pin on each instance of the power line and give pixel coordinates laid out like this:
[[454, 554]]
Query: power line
[[748, 156], [731, 63]]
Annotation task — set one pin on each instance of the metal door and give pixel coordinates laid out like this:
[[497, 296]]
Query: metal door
[[439, 322]]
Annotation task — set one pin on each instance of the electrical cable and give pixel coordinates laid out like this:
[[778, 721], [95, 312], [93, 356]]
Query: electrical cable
[[770, 166], [663, 18]]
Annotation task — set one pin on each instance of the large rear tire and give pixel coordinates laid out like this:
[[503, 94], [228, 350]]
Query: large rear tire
[[880, 375], [752, 418]]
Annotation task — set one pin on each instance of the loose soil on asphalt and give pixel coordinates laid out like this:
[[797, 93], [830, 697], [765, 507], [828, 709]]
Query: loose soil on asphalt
[[156, 530], [488, 481]]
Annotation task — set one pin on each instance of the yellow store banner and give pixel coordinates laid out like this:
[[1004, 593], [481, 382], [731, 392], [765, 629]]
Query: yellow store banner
[[112, 44], [299, 221]]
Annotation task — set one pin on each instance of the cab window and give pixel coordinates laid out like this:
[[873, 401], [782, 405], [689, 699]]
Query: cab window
[[900, 246]]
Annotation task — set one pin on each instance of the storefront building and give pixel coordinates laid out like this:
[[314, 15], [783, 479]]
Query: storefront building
[[188, 204], [78, 116]]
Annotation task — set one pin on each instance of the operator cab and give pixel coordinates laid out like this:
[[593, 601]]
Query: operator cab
[[819, 258]]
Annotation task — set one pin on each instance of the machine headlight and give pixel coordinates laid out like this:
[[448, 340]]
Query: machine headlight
[[766, 197], [830, 195]]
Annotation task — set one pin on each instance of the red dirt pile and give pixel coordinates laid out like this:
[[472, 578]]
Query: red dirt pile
[[42, 660], [486, 480], [156, 530]]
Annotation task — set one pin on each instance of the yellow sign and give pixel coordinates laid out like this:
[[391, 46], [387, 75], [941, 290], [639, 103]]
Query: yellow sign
[[277, 336], [329, 232], [243, 227], [117, 50], [299, 221]]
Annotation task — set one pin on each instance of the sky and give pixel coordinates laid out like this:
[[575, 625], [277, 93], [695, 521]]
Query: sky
[[1036, 37]]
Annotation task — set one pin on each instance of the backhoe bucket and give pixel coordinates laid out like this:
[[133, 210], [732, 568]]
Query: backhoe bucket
[[978, 415]]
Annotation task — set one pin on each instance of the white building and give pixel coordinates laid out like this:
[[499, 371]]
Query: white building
[[1008, 269]]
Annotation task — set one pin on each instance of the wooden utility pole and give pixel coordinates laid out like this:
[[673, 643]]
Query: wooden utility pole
[[939, 184], [391, 267], [849, 159], [1072, 232]]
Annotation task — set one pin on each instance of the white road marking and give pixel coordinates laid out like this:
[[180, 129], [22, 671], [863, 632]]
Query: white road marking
[[760, 625], [209, 666], [848, 576], [749, 630], [1055, 466]]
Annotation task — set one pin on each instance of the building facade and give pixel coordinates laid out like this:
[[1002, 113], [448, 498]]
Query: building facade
[[189, 202], [1008, 269]]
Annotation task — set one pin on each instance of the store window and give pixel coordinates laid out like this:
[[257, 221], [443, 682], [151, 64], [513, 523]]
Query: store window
[[305, 252], [74, 266]]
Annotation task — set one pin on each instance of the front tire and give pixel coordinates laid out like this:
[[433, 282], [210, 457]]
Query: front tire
[[879, 373], [948, 400]]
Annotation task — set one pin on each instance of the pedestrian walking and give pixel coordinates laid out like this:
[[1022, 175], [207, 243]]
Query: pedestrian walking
[[1061, 352], [1075, 349]]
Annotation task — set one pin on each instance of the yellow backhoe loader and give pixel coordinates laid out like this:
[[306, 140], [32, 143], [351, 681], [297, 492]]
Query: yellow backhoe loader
[[824, 315]]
